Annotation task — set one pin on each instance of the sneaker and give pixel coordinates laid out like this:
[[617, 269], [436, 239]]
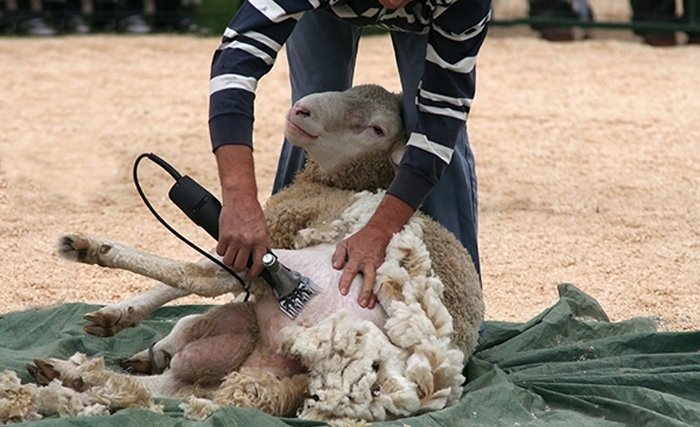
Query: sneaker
[[77, 25], [134, 24], [557, 34], [660, 38], [187, 26], [35, 27]]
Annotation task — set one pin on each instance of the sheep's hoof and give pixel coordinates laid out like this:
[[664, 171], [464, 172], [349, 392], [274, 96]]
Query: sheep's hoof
[[101, 332], [104, 324], [136, 366], [103, 318], [108, 321], [45, 370], [81, 249], [156, 362], [42, 371], [73, 247]]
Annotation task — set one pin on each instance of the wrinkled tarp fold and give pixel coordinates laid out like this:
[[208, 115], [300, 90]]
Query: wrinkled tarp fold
[[568, 366]]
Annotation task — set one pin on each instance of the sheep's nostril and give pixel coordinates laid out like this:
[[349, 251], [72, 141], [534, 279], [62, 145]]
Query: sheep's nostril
[[300, 110]]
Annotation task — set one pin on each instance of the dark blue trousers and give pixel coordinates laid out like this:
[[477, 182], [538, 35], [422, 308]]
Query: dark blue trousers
[[321, 53]]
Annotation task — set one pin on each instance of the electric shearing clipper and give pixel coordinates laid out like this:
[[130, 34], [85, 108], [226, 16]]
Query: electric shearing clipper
[[291, 289]]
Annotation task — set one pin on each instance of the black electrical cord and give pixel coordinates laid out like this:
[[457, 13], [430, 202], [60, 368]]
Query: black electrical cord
[[176, 175]]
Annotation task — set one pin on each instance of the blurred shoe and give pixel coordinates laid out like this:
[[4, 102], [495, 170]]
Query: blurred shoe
[[187, 26], [557, 34], [694, 38], [35, 27], [134, 24], [77, 25], [660, 38]]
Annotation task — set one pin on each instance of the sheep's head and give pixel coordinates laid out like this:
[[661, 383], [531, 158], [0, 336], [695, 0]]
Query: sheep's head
[[337, 127]]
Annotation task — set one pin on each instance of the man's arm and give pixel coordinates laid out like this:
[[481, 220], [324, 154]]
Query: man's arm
[[242, 226], [247, 52], [444, 99]]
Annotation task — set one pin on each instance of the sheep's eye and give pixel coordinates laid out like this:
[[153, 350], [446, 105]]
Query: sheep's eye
[[379, 131]]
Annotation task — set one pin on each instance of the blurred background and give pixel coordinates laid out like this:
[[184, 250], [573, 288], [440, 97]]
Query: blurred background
[[657, 22]]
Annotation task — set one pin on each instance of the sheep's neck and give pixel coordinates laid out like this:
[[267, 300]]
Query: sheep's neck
[[366, 173]]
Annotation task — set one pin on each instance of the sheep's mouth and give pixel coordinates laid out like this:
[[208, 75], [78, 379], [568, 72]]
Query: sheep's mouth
[[293, 127]]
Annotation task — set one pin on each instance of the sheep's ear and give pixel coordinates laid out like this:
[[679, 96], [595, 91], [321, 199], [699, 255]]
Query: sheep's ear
[[396, 155]]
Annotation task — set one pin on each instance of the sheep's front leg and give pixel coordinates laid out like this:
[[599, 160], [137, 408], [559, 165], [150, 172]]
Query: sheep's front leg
[[109, 320], [69, 372], [202, 348], [202, 278]]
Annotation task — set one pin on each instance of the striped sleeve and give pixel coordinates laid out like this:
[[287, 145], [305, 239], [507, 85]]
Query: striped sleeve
[[444, 97], [247, 52]]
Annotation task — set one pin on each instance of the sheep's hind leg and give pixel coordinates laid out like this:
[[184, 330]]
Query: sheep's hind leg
[[202, 278], [215, 344], [156, 358]]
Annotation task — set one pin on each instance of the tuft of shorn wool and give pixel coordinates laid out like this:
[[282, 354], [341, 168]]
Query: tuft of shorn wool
[[66, 402], [103, 391], [350, 376], [111, 389], [198, 409], [351, 220], [419, 322], [118, 391], [358, 371], [346, 422], [28, 402], [17, 401], [255, 388]]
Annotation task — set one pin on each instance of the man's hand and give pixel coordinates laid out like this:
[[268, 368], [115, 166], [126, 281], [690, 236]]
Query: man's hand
[[242, 225], [364, 251], [242, 233]]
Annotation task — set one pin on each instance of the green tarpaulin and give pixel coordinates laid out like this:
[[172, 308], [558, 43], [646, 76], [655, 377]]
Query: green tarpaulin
[[569, 366]]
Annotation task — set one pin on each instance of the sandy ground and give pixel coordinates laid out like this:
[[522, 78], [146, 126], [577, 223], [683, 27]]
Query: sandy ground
[[588, 160]]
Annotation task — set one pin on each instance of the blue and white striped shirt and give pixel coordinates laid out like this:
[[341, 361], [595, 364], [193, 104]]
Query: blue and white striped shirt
[[456, 30]]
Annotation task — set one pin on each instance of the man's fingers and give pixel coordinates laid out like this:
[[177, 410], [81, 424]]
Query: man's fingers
[[356, 256], [349, 273], [338, 261], [372, 301], [221, 247], [366, 298], [226, 253], [240, 262], [257, 266], [340, 256], [233, 257], [366, 295]]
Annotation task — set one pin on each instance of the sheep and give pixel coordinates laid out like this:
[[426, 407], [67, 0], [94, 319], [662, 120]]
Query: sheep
[[336, 359]]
